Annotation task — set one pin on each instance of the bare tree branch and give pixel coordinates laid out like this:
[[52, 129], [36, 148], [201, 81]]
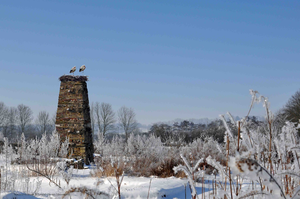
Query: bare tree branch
[[127, 120], [105, 117], [43, 122], [24, 117]]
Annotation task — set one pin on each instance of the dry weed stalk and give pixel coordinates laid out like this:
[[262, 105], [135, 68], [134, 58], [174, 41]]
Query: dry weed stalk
[[84, 190], [47, 173], [118, 168], [149, 188]]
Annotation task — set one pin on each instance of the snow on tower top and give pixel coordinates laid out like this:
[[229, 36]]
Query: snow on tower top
[[66, 78]]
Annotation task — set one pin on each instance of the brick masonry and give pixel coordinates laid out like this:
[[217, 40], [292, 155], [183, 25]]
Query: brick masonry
[[73, 117]]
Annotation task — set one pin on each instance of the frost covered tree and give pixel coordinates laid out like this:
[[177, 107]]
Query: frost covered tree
[[8, 154], [22, 148], [115, 148]]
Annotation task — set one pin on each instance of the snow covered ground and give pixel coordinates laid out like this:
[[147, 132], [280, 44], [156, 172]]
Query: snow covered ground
[[132, 187]]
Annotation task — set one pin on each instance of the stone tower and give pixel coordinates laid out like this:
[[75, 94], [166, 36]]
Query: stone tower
[[73, 117]]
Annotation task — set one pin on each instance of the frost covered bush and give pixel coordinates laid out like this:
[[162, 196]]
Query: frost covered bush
[[147, 153], [266, 156], [7, 180], [202, 148], [143, 155], [114, 148], [165, 167], [35, 157]]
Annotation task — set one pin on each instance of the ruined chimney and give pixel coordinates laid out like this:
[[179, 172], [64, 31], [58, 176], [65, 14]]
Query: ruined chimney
[[73, 117]]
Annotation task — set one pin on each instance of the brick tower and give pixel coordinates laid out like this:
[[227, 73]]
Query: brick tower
[[73, 117]]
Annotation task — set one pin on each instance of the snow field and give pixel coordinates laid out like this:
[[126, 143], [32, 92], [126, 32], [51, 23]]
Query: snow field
[[132, 187]]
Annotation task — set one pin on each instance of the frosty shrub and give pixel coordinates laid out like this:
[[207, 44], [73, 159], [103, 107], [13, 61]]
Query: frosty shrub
[[143, 155], [105, 151], [7, 181], [191, 171], [204, 147], [114, 148], [147, 153], [42, 156], [165, 167], [268, 157]]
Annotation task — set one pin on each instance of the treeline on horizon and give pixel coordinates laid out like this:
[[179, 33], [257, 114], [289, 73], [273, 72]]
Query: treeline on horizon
[[107, 123]]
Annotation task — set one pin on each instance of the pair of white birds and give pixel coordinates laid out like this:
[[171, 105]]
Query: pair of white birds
[[82, 68]]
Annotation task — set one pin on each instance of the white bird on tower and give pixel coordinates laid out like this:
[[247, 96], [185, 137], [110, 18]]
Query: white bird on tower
[[73, 70], [82, 68]]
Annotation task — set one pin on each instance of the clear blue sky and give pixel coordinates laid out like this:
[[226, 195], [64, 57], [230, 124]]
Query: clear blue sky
[[166, 59]]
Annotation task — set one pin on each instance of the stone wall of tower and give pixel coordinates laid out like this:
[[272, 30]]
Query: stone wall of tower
[[73, 117]]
